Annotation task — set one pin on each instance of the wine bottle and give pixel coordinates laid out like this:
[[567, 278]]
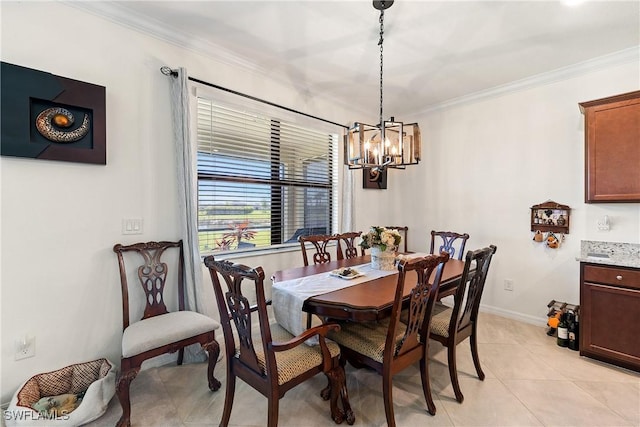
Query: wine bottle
[[572, 332], [563, 333]]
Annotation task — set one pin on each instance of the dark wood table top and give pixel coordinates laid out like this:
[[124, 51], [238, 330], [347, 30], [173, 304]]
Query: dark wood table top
[[366, 301]]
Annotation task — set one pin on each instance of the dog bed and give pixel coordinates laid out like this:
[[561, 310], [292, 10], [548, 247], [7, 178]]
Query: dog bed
[[96, 379]]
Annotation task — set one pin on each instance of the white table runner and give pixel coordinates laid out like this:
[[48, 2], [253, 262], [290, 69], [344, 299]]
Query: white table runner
[[289, 295]]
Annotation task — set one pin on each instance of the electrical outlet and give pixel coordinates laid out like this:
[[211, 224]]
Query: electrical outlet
[[25, 347], [604, 224], [508, 285]]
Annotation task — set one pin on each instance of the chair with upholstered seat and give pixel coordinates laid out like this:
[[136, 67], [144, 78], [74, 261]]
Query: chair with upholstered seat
[[159, 331], [320, 242], [270, 359], [404, 231], [389, 346], [448, 241], [452, 325], [348, 239]]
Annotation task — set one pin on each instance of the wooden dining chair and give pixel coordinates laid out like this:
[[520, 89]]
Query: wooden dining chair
[[404, 231], [451, 242], [389, 346], [320, 242], [348, 239], [270, 359], [159, 331], [452, 325]]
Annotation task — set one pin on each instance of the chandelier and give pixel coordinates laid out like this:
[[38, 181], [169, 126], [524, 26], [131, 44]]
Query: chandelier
[[390, 143]]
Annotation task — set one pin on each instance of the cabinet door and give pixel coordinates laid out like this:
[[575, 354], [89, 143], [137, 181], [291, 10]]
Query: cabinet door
[[613, 149], [610, 324]]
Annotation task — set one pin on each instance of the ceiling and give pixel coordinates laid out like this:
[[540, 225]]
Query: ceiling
[[434, 51]]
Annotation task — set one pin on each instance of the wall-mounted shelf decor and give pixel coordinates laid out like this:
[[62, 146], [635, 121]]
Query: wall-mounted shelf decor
[[550, 217]]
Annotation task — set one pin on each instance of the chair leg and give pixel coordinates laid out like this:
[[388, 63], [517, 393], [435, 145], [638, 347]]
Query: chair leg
[[325, 393], [453, 371], [344, 395], [344, 398], [387, 386], [122, 390], [338, 388], [474, 354], [426, 386], [272, 412], [213, 351], [180, 356], [228, 398]]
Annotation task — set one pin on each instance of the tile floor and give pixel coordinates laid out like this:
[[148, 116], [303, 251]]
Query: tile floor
[[530, 381]]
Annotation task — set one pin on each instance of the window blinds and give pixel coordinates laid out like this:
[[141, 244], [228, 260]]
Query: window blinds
[[261, 181]]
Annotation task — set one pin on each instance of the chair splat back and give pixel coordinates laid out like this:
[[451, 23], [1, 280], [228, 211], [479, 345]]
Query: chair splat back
[[349, 240], [320, 242], [152, 275], [450, 240], [239, 309], [421, 300]]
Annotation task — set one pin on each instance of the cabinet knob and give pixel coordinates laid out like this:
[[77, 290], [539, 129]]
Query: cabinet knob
[[619, 277]]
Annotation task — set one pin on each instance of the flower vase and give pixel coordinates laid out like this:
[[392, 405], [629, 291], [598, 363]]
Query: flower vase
[[382, 260]]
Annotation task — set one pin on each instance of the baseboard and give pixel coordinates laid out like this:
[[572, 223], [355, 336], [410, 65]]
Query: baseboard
[[525, 318], [532, 320]]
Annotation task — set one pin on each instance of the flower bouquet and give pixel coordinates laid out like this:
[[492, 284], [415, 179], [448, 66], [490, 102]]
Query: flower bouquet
[[383, 244]]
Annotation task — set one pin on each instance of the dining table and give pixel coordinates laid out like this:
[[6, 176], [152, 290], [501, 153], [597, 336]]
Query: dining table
[[316, 289]]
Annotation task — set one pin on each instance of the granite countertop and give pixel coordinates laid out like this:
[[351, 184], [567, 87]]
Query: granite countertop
[[619, 254]]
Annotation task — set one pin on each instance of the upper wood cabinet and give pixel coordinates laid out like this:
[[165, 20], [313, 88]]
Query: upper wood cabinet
[[612, 148]]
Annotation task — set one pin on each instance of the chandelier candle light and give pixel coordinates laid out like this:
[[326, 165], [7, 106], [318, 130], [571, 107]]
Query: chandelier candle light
[[383, 244], [390, 143]]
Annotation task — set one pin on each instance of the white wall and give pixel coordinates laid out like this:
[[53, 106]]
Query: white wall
[[60, 220], [486, 163]]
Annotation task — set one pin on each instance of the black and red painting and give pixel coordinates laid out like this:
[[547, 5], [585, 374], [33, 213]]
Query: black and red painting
[[44, 116]]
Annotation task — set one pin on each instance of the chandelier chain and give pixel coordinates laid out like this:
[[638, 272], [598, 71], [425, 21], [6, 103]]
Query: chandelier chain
[[381, 61]]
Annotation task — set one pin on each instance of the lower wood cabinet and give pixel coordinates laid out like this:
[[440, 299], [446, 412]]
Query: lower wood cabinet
[[610, 314]]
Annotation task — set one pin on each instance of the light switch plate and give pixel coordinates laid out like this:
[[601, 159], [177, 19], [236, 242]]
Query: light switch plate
[[132, 226]]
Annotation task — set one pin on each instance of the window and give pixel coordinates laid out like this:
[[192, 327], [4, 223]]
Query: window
[[261, 181]]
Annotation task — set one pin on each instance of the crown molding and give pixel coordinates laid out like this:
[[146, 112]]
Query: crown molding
[[113, 11], [617, 58], [120, 15]]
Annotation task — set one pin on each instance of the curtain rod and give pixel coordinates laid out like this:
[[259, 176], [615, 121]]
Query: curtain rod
[[173, 73]]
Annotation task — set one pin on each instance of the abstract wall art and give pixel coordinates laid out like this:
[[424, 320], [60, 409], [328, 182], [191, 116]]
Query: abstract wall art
[[44, 116]]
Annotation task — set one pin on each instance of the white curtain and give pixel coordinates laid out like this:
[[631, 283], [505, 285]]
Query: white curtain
[[347, 222], [187, 198]]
